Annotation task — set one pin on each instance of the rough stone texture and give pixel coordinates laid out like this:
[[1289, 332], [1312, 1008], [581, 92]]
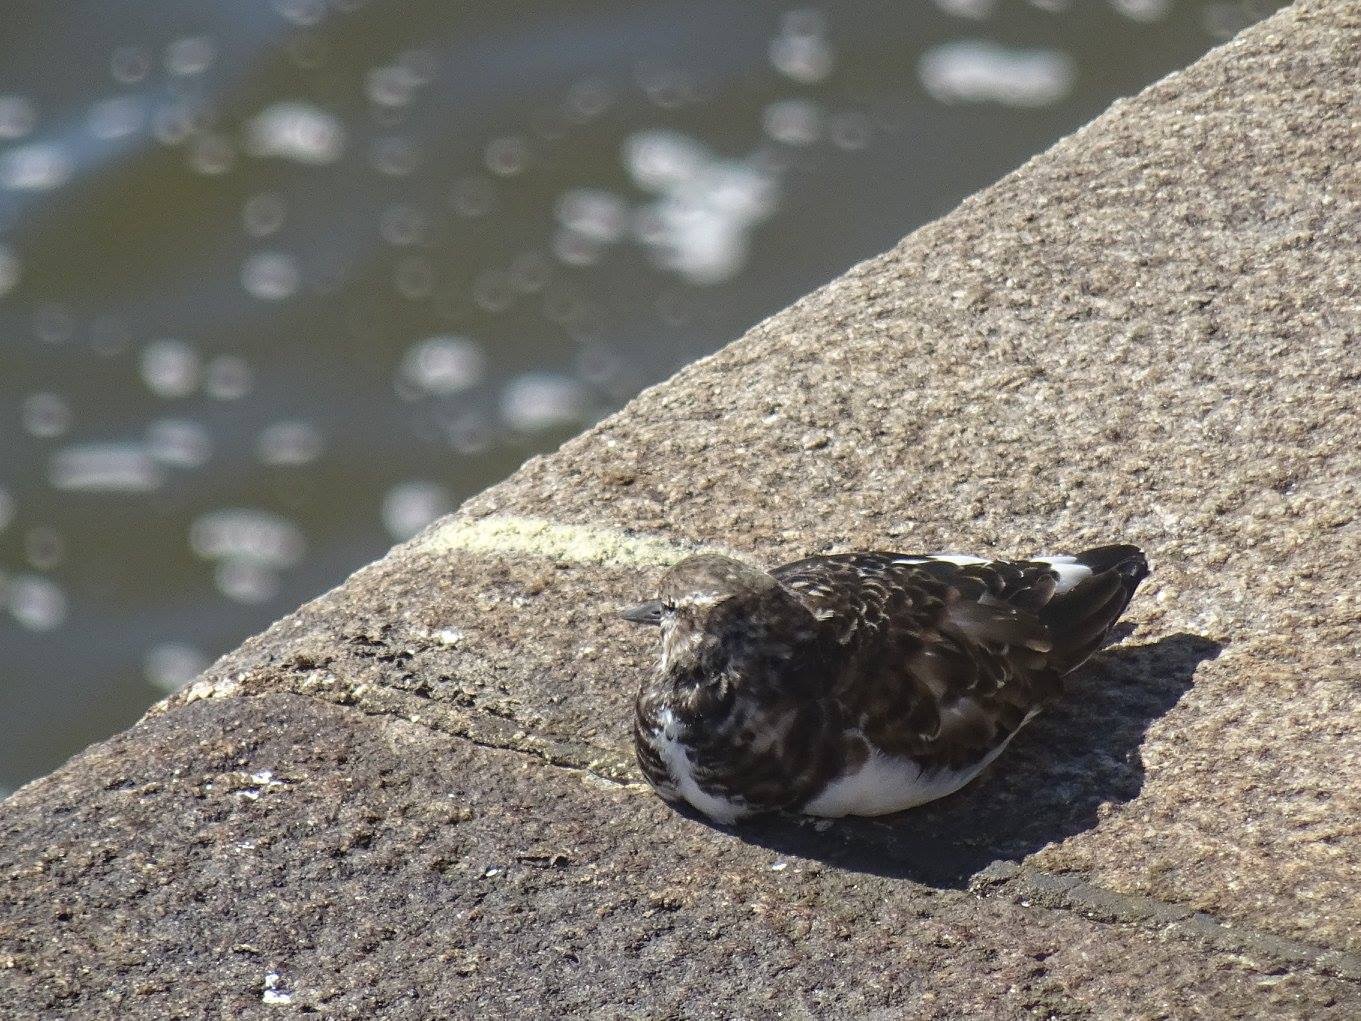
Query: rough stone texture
[[377, 868], [1149, 333]]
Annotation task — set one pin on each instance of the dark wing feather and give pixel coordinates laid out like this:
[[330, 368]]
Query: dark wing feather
[[940, 660], [1081, 618]]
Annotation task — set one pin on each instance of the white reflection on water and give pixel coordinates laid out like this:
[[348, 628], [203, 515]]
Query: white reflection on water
[[40, 166], [246, 581], [543, 400], [590, 219], [1142, 10], [301, 12], [393, 85], [170, 368], [271, 276], [240, 533], [975, 71], [793, 121], [470, 433], [178, 443], [410, 506], [573, 249], [700, 225], [593, 213], [443, 365], [661, 160], [105, 467], [171, 665], [588, 99], [801, 51], [17, 117], [228, 378], [508, 156], [176, 121], [296, 131], [36, 602], [249, 547], [45, 415], [394, 156], [290, 444], [978, 10], [211, 154], [189, 55], [117, 117]]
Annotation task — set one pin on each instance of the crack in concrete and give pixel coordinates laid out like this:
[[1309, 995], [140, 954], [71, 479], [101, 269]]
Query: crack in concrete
[[1025, 885], [498, 732]]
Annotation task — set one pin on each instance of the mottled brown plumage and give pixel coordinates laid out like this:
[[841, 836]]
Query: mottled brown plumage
[[862, 682]]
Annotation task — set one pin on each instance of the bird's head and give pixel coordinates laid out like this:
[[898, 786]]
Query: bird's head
[[715, 611]]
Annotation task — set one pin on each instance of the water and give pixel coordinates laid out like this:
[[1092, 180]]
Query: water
[[282, 280]]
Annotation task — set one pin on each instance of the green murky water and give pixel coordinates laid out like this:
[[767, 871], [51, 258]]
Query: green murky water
[[281, 280]]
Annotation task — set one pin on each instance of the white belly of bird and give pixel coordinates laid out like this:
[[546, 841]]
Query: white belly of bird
[[890, 783], [882, 784], [677, 758]]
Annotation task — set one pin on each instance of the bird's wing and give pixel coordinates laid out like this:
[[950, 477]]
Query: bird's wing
[[936, 657]]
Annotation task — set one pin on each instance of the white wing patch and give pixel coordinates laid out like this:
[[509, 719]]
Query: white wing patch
[[890, 783], [958, 559], [1070, 572], [677, 759]]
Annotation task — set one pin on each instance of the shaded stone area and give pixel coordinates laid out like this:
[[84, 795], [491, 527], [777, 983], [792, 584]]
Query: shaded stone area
[[247, 853], [1147, 334]]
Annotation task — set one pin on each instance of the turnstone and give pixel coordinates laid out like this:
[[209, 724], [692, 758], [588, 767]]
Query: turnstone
[[859, 683]]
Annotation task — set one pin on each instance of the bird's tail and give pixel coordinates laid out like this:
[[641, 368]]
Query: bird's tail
[[1080, 617]]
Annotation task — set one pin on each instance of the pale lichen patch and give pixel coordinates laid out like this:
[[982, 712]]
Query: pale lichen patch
[[537, 537]]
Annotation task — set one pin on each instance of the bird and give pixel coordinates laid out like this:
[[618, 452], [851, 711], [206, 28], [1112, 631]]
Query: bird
[[861, 683]]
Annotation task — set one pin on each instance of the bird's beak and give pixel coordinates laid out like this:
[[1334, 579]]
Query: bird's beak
[[644, 613]]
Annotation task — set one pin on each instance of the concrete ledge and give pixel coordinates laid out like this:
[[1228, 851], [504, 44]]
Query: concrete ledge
[[319, 859], [414, 796]]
